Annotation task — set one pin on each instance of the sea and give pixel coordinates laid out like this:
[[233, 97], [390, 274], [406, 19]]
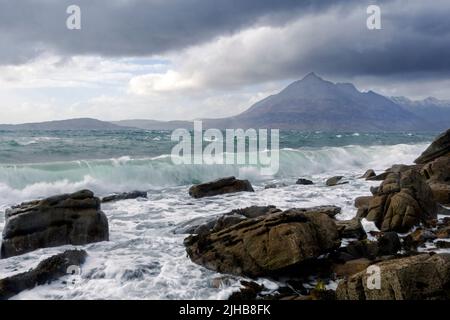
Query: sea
[[145, 257]]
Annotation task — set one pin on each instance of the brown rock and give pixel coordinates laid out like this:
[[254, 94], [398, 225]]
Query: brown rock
[[363, 202], [64, 219], [47, 271], [351, 267], [265, 245], [334, 181], [413, 278], [220, 186], [403, 201], [368, 174], [439, 147]]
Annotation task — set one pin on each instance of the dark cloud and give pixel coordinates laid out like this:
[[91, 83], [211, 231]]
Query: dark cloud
[[415, 38], [132, 27]]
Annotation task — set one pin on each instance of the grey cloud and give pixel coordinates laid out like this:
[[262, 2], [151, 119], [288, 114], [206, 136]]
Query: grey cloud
[[132, 27]]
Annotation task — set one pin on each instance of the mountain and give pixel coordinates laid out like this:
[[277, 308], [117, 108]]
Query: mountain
[[154, 125], [316, 104], [72, 124], [430, 109]]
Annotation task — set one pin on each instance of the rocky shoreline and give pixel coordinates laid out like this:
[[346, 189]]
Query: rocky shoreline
[[290, 246]]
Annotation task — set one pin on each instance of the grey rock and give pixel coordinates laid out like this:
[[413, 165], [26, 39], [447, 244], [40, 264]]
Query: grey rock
[[125, 196], [220, 186], [46, 271], [59, 220]]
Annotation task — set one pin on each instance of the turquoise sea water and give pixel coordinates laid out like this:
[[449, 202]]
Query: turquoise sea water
[[145, 258]]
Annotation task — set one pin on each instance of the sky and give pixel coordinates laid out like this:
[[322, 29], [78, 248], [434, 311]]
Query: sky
[[190, 59]]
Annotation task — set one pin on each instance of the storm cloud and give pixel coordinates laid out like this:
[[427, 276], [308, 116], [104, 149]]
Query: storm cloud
[[133, 27]]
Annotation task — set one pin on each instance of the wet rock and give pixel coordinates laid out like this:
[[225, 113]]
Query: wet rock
[[334, 181], [388, 244], [305, 182], [330, 211], [440, 147], [351, 267], [46, 271], [270, 186], [417, 238], [206, 225], [250, 291], [363, 202], [265, 245], [437, 173], [403, 201], [443, 232], [125, 196], [368, 174], [220, 186], [417, 277], [442, 244], [351, 228], [59, 220], [361, 249]]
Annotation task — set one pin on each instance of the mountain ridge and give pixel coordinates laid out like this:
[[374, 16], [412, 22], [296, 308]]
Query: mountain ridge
[[308, 104]]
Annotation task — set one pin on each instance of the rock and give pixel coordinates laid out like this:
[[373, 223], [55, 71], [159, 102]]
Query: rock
[[443, 232], [206, 225], [196, 226], [417, 238], [351, 229], [125, 196], [442, 244], [388, 244], [437, 173], [220, 186], [305, 182], [330, 211], [417, 277], [64, 219], [439, 147], [368, 174], [361, 249], [351, 267], [374, 190], [254, 211], [403, 200], [363, 202], [250, 291], [270, 186], [265, 245], [46, 271], [334, 181]]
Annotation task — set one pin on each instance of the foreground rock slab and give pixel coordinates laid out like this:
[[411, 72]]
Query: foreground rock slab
[[413, 278], [220, 186], [64, 219], [264, 245], [47, 271]]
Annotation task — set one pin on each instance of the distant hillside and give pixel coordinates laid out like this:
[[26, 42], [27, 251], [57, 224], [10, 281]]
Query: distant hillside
[[316, 104], [72, 124], [154, 125], [430, 109]]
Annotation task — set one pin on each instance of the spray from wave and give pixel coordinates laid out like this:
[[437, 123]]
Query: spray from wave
[[24, 182]]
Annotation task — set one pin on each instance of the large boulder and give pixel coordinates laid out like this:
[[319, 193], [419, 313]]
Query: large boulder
[[403, 200], [440, 147], [220, 186], [418, 277], [437, 173], [64, 219], [47, 271], [267, 244]]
